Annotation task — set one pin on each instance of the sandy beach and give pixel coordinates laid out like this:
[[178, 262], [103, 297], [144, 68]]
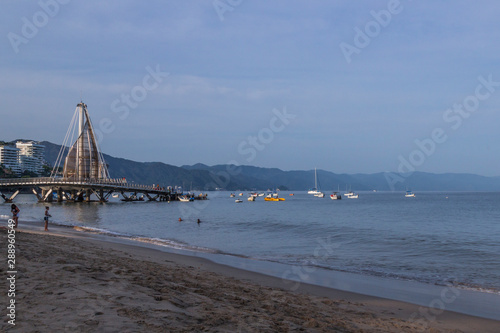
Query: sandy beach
[[76, 282]]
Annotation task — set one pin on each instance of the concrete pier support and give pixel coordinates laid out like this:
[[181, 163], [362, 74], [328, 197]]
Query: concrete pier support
[[60, 195]]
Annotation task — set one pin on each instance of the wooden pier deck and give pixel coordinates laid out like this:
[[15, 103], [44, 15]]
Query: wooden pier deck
[[81, 190]]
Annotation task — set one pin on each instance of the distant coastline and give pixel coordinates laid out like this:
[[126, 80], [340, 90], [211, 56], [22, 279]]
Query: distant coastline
[[201, 177]]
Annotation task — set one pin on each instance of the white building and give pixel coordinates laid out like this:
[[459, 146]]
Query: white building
[[26, 156], [31, 156], [9, 157]]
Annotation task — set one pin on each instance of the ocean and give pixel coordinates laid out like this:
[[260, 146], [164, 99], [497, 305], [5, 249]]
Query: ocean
[[435, 238]]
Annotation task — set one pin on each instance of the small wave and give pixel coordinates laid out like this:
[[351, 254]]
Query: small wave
[[313, 265], [98, 231], [155, 241], [173, 244]]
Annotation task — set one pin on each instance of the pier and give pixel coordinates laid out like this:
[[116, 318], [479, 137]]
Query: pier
[[84, 173], [49, 189]]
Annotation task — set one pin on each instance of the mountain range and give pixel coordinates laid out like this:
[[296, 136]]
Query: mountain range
[[201, 177]]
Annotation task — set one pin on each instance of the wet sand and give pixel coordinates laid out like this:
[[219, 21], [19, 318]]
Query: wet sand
[[78, 282]]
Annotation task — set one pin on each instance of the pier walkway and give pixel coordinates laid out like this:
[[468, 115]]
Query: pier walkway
[[82, 189]]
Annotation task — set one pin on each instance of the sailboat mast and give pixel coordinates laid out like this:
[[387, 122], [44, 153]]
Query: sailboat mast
[[315, 179]]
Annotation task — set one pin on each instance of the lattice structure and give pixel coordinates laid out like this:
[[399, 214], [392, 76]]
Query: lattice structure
[[83, 158]]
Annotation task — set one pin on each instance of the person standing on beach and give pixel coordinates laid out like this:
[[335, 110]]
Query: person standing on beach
[[15, 214], [46, 218]]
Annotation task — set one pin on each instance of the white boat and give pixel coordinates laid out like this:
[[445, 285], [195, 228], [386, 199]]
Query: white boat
[[335, 196], [261, 194], [353, 196], [251, 198], [231, 195], [238, 200], [241, 194], [315, 189], [184, 198], [116, 195], [409, 194], [320, 195]]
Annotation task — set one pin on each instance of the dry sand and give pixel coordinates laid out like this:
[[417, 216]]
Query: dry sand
[[68, 282]]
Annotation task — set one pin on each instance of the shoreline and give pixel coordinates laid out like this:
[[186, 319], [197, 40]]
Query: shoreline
[[447, 297], [354, 311]]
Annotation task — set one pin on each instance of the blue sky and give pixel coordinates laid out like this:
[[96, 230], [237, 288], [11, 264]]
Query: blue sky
[[234, 65]]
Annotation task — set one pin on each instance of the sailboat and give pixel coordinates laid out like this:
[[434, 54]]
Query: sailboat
[[315, 189]]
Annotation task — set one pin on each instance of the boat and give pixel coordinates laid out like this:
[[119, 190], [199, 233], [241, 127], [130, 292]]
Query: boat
[[335, 196], [116, 195], [320, 195], [238, 200], [241, 194], [251, 198], [231, 195], [409, 194], [353, 196], [272, 195], [185, 198], [261, 194], [315, 189], [274, 199]]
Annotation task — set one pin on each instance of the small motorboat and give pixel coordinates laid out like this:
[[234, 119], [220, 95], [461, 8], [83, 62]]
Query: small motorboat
[[335, 196], [409, 194], [251, 198], [238, 200]]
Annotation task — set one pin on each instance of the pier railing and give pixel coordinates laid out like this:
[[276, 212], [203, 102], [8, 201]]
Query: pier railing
[[116, 183]]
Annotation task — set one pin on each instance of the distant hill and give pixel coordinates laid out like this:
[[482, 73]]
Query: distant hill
[[204, 177], [329, 181], [150, 172]]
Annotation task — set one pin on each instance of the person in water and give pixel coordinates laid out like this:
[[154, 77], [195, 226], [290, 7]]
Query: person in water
[[15, 214], [198, 221], [180, 220]]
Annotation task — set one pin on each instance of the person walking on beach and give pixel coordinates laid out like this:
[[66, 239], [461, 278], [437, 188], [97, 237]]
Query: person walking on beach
[[46, 218], [15, 214]]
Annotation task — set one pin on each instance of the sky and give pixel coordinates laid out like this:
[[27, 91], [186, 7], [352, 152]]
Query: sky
[[344, 86]]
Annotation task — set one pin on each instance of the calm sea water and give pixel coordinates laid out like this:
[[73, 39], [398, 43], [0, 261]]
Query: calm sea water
[[434, 238]]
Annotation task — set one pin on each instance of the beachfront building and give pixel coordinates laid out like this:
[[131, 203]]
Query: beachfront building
[[9, 158], [31, 156], [25, 156]]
